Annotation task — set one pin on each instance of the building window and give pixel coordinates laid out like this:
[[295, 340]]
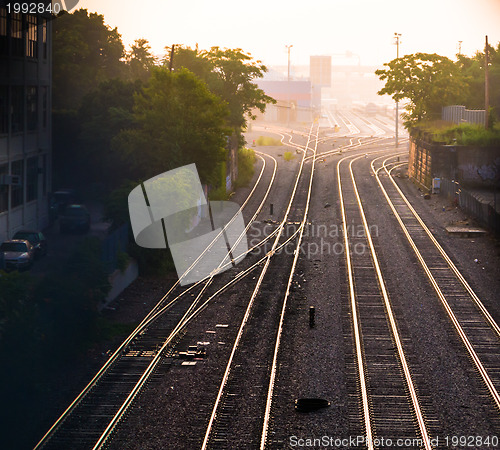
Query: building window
[[44, 39], [32, 37], [4, 109], [16, 33], [4, 37], [4, 189], [32, 107], [45, 106], [17, 190], [32, 179], [17, 109]]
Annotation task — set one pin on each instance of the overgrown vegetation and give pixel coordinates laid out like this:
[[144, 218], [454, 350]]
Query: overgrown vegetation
[[288, 156], [246, 170], [464, 134], [267, 141]]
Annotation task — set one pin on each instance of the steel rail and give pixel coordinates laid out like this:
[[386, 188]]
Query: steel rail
[[187, 317], [144, 323], [150, 369], [356, 320], [249, 307], [448, 260], [392, 320], [283, 309], [468, 345]]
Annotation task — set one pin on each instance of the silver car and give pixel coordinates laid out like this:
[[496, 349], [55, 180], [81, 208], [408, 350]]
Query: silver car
[[17, 254]]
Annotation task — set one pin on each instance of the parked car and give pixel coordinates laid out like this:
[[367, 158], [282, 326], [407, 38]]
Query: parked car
[[59, 200], [36, 239], [74, 218], [17, 254]]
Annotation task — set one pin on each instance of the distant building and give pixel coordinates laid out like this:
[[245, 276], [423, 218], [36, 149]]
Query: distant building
[[293, 100], [25, 121]]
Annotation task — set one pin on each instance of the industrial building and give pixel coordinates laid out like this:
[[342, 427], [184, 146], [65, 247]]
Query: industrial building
[[25, 121]]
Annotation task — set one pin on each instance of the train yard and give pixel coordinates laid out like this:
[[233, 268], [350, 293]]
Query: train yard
[[404, 345]]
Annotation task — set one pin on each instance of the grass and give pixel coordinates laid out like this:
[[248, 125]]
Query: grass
[[464, 134], [288, 156], [267, 140]]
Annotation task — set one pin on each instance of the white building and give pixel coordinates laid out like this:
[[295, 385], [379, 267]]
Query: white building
[[25, 121]]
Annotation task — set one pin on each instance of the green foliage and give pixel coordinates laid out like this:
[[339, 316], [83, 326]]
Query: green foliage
[[235, 71], [464, 134], [140, 60], [288, 156], [473, 70], [218, 194], [427, 81], [85, 52], [267, 141], [103, 113], [228, 73], [179, 122], [116, 205], [122, 260], [246, 169]]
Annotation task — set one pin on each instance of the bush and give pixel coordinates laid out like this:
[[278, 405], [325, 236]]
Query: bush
[[246, 169], [267, 140], [218, 194]]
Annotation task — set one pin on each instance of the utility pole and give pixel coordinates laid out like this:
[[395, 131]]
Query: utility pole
[[460, 47], [486, 85], [397, 36], [288, 86], [171, 63]]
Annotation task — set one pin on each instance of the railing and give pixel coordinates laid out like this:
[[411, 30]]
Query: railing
[[458, 114]]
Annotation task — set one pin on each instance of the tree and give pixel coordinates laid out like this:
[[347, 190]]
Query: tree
[[473, 69], [428, 81], [86, 52], [140, 60], [103, 113], [178, 122], [235, 71]]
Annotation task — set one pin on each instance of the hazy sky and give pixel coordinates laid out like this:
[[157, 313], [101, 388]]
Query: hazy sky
[[315, 27]]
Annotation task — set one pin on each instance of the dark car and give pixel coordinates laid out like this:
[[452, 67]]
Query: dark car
[[59, 200], [36, 239], [74, 218], [17, 254]]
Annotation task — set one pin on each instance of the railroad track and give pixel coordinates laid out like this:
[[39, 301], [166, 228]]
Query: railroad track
[[387, 393], [93, 415], [87, 419], [240, 413], [476, 328], [106, 399]]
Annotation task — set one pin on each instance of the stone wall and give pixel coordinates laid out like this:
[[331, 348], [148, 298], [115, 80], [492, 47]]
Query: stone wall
[[477, 167]]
